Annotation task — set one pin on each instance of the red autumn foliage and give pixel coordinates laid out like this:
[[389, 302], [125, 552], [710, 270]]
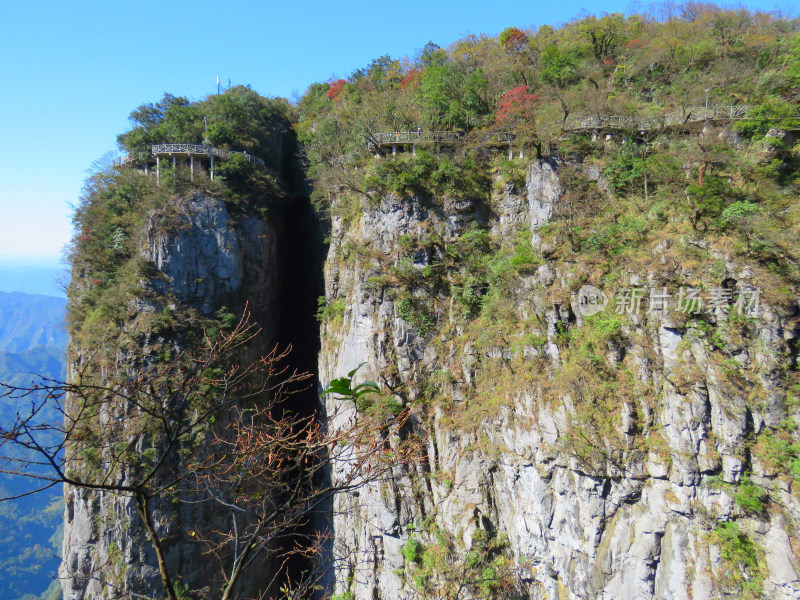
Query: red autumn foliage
[[412, 76], [516, 103], [335, 89]]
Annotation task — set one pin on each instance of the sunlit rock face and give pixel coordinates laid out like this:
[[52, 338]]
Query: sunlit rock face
[[631, 517]]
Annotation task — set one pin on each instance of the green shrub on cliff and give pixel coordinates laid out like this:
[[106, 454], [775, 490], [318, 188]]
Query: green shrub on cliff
[[743, 568], [771, 112], [443, 569], [425, 173]]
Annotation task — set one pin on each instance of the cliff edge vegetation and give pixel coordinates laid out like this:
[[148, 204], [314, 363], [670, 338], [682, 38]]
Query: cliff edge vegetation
[[120, 205], [572, 254]]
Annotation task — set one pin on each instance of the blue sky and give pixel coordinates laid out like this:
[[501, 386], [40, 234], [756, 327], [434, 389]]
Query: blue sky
[[73, 71]]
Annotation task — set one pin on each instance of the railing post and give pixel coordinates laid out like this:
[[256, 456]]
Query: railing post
[[191, 167], [212, 166], [158, 171]]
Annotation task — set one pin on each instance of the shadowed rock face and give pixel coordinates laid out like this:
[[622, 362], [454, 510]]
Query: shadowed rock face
[[208, 259], [639, 529], [202, 259]]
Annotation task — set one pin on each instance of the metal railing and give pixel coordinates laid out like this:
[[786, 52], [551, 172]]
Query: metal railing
[[203, 149], [691, 114], [496, 137], [413, 137]]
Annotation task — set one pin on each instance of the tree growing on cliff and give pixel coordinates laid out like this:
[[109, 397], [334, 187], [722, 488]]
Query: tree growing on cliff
[[271, 473], [201, 429]]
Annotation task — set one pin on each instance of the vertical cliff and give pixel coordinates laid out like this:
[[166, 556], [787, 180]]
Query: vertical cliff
[[200, 259], [582, 291], [618, 455], [167, 258]]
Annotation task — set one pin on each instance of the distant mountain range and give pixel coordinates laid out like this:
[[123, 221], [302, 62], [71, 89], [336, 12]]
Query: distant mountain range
[[33, 340], [31, 320]]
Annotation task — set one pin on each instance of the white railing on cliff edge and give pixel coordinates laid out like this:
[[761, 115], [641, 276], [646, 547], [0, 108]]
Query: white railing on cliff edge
[[202, 150], [414, 137], [691, 114]]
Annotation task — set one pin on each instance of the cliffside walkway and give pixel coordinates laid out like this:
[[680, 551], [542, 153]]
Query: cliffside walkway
[[691, 115], [191, 154], [393, 139], [201, 150]]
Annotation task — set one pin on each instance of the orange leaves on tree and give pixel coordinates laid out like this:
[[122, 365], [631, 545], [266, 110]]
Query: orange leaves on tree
[[514, 39]]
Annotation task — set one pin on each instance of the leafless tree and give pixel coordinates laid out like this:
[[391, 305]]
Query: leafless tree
[[205, 429]]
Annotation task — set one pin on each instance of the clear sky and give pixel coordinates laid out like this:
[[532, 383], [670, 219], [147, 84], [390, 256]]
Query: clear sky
[[73, 71]]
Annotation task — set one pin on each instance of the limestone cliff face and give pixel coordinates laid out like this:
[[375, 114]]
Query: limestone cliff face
[[202, 258], [636, 518], [207, 258]]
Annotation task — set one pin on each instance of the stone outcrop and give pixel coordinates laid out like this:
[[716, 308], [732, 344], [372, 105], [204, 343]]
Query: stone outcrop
[[626, 502], [207, 259], [202, 258], [633, 526]]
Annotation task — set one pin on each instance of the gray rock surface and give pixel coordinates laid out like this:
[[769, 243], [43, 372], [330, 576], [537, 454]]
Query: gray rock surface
[[204, 259], [640, 530], [631, 521]]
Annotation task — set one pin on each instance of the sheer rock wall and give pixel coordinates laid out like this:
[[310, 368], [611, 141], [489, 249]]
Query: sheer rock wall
[[637, 530], [203, 258]]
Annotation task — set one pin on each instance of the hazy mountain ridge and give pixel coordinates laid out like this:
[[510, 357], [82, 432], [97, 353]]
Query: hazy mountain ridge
[[31, 320], [33, 343]]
